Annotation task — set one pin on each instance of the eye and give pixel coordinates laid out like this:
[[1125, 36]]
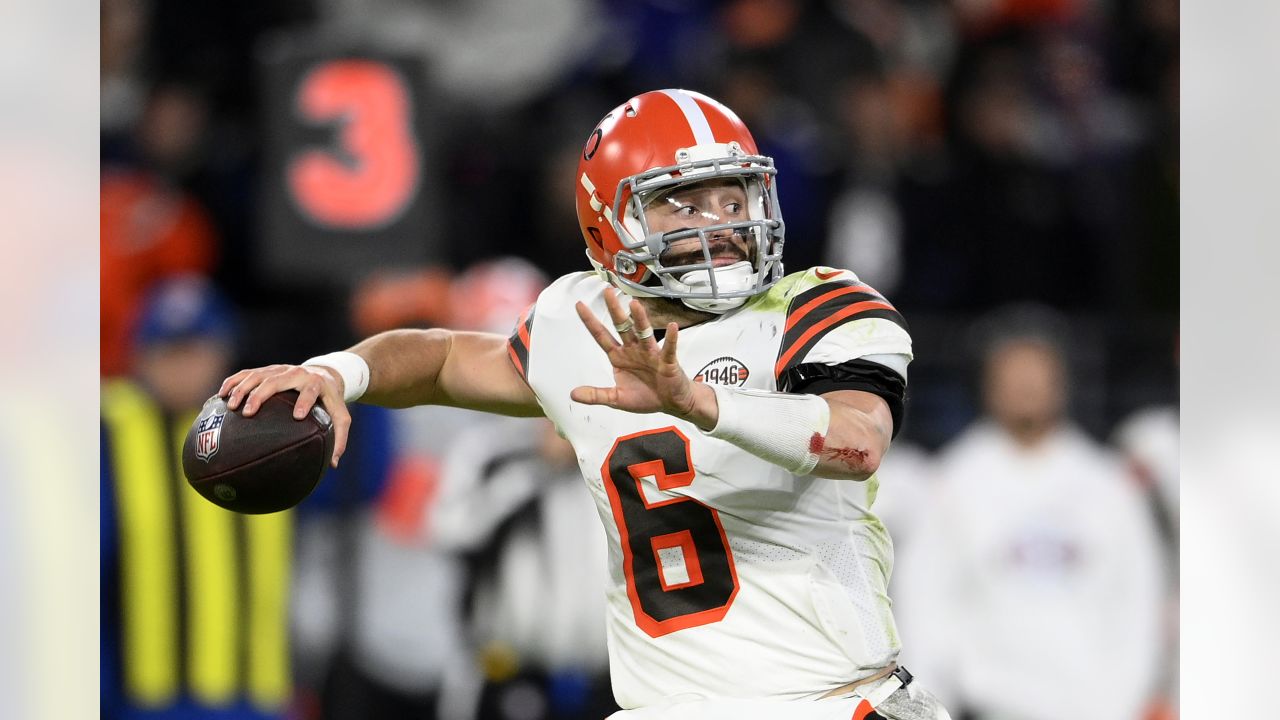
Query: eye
[[733, 208], [687, 211]]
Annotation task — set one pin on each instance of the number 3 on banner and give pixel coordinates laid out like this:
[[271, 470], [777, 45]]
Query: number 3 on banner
[[675, 555], [369, 179]]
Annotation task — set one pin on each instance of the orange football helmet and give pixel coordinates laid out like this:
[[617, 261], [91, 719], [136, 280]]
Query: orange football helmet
[[649, 146]]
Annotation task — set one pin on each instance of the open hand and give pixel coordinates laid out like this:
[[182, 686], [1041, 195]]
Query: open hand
[[647, 378]]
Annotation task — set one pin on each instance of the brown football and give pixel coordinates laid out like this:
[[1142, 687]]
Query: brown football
[[261, 464]]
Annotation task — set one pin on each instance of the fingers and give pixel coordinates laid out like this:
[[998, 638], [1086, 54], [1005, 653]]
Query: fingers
[[341, 427], [644, 329], [255, 386], [231, 382], [337, 408], [253, 398], [237, 387], [588, 395], [248, 389], [596, 328], [616, 312], [320, 383], [669, 345], [630, 320], [307, 397]]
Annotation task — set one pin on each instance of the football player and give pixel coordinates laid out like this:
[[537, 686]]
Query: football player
[[728, 420]]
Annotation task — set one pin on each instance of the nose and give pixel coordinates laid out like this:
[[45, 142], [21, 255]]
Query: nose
[[709, 219]]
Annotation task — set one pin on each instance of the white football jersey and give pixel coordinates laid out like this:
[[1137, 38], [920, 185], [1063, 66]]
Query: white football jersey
[[729, 576]]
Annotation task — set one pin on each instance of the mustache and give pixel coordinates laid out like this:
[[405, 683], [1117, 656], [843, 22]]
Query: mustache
[[718, 247]]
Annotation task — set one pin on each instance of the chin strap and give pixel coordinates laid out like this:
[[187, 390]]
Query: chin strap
[[715, 306], [731, 278]]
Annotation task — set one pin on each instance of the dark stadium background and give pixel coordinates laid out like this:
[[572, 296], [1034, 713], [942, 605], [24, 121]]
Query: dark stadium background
[[1010, 151]]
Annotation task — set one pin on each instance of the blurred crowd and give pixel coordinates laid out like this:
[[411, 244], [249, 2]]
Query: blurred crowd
[[1006, 171]]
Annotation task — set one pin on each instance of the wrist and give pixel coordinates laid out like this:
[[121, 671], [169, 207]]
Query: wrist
[[350, 370], [704, 410], [332, 373]]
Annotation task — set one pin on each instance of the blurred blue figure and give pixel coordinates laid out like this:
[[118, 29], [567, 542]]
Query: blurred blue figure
[[194, 597]]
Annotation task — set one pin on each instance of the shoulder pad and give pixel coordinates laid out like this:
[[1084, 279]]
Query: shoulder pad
[[823, 309]]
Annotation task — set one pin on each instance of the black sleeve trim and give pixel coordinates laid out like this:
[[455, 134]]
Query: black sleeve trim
[[859, 374]]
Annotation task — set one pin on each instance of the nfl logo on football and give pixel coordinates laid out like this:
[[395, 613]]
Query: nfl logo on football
[[207, 438]]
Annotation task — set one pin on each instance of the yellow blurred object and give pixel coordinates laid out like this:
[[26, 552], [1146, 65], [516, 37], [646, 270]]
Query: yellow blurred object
[[269, 551], [499, 662], [213, 587], [148, 580], [204, 592]]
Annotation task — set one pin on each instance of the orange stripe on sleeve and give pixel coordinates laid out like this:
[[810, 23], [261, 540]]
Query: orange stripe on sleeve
[[808, 307], [522, 328], [825, 323]]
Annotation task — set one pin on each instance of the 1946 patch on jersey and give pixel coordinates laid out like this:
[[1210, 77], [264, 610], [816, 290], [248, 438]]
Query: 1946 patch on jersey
[[723, 371]]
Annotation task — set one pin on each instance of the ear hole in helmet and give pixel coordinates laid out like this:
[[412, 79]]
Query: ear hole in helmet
[[593, 144], [596, 239], [630, 110]]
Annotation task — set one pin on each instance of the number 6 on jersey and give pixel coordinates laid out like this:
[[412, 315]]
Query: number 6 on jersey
[[675, 555]]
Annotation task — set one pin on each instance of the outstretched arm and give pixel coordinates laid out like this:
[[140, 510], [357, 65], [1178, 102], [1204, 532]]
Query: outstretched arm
[[406, 368], [842, 434], [443, 367]]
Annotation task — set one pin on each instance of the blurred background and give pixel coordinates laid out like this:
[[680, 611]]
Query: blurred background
[[280, 179]]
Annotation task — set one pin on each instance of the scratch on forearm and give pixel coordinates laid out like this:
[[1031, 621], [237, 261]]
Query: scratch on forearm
[[853, 458]]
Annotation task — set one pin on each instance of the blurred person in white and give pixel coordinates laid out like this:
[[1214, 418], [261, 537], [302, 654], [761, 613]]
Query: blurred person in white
[[730, 443], [1149, 441], [538, 568], [1032, 590], [405, 599], [194, 598]]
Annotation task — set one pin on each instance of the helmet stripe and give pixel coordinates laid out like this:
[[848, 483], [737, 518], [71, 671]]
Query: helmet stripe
[[597, 203], [693, 115]]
